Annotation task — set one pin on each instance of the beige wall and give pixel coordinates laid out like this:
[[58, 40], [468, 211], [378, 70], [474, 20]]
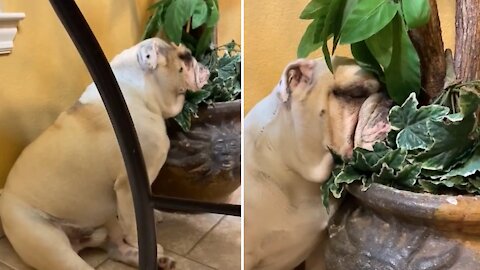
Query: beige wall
[[230, 21], [272, 33], [44, 74]]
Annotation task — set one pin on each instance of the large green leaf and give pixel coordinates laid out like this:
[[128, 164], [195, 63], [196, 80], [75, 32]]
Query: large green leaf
[[367, 18], [200, 14], [332, 24], [314, 9], [381, 45], [412, 123], [204, 42], [365, 59], [213, 14], [307, 44], [402, 76], [154, 24], [416, 12], [178, 13]]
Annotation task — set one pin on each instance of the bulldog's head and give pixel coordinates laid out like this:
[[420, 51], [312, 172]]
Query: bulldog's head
[[162, 71], [174, 62], [338, 111]]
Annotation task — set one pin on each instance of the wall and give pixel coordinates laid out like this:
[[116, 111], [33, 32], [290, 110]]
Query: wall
[[44, 74], [229, 25], [273, 31]]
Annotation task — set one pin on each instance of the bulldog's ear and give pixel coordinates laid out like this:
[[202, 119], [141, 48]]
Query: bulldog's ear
[[150, 55], [297, 76]]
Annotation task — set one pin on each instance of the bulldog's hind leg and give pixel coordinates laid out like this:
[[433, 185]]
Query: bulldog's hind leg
[[121, 251], [38, 242]]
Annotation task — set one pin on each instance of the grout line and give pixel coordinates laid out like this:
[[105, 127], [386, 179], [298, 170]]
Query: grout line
[[104, 260], [190, 259], [98, 266], [6, 265], [205, 235]]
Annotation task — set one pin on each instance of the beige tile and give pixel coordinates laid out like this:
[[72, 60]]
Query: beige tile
[[2, 233], [236, 197], [94, 256], [180, 232], [4, 267], [220, 248], [113, 265], [9, 257], [187, 264]]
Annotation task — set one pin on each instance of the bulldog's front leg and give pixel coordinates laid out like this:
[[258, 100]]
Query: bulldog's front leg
[[125, 240]]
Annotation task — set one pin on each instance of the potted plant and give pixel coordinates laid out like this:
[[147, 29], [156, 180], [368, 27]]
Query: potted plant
[[412, 202], [204, 158]]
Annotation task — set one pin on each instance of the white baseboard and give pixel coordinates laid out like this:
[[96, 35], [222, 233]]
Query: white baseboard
[[8, 29]]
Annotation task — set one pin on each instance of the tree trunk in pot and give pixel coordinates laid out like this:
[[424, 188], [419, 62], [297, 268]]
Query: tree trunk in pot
[[467, 40], [429, 45]]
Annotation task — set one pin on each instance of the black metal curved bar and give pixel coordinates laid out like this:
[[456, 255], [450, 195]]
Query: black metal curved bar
[[99, 68], [184, 205]]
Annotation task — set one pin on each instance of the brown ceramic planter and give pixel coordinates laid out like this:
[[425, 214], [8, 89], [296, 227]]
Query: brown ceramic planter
[[385, 228], [204, 163]]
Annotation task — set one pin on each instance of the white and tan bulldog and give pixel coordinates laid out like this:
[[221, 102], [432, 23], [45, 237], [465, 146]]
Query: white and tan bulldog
[[69, 190], [287, 136]]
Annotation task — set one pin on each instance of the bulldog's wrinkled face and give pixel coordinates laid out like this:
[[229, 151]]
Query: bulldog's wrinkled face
[[339, 111], [173, 62]]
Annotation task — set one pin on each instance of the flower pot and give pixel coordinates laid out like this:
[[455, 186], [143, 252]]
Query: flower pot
[[204, 163], [385, 228]]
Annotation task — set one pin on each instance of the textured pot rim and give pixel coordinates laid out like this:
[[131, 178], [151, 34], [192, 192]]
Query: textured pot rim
[[219, 107], [420, 206]]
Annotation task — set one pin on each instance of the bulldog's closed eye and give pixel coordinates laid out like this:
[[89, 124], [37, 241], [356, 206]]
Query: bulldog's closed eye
[[354, 91]]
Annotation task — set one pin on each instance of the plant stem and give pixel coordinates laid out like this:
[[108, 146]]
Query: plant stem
[[467, 40], [429, 45]]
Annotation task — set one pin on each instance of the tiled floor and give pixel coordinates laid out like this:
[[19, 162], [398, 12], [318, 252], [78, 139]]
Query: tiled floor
[[197, 242]]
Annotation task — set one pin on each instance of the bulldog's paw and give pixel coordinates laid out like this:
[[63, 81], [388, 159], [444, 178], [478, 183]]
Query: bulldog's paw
[[166, 263]]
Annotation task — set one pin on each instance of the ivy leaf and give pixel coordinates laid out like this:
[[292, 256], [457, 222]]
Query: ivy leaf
[[197, 96], [184, 118], [366, 19], [402, 76], [314, 9], [200, 14], [451, 142], [178, 13], [469, 168], [326, 192], [469, 101], [227, 66], [371, 161], [416, 12], [367, 161], [381, 45], [347, 176], [412, 123], [407, 176]]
